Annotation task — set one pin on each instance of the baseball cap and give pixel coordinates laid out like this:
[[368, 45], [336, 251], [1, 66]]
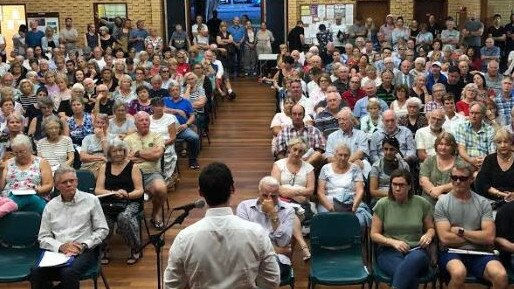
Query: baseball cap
[[436, 63]]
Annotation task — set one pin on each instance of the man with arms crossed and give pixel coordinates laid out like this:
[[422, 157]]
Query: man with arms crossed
[[464, 220]]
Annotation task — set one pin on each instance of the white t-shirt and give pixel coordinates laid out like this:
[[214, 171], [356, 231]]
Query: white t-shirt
[[160, 126]]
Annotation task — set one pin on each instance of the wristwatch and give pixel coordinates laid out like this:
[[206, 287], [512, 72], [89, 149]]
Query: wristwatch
[[460, 233], [84, 247]]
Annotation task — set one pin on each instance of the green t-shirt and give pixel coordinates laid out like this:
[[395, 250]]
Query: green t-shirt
[[403, 221]]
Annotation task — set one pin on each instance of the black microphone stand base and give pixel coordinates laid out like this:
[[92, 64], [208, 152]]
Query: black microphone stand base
[[158, 242]]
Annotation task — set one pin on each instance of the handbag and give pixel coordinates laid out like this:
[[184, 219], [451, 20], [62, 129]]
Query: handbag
[[112, 206], [342, 207]]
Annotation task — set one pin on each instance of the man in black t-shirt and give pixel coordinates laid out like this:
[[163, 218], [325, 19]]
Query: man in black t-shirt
[[296, 38]]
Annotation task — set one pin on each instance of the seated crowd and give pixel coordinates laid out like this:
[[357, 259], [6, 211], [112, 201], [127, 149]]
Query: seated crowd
[[381, 123]]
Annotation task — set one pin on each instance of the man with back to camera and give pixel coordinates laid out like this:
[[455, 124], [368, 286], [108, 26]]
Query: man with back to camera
[[221, 250]]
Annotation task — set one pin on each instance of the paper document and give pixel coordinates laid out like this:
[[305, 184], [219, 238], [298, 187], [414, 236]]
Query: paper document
[[23, 192], [53, 259], [106, 195]]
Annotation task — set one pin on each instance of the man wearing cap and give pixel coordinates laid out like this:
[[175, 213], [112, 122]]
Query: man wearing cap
[[387, 28], [435, 76]]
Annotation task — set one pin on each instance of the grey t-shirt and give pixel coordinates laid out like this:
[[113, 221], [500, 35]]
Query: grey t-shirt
[[473, 26], [467, 214]]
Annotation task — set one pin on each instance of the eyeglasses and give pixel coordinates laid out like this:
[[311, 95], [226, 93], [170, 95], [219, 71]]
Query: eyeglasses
[[459, 178], [165, 71]]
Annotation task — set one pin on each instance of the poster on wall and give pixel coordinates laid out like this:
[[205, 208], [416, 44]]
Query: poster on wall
[[313, 15], [48, 19]]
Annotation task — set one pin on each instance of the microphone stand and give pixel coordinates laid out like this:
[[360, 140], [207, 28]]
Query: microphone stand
[[158, 242]]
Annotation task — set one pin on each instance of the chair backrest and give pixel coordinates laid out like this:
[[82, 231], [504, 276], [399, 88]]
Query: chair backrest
[[87, 181], [19, 229], [336, 230]]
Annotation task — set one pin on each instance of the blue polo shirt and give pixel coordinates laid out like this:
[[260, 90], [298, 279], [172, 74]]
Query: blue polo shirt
[[237, 32], [183, 104], [34, 38]]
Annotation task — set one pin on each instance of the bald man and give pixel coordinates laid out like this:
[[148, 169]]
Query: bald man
[[146, 149]]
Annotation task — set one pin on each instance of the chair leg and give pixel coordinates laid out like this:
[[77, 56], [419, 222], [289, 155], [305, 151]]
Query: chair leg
[[95, 283], [106, 284]]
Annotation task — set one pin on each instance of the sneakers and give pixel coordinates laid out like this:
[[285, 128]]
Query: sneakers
[[146, 197], [231, 96], [194, 165]]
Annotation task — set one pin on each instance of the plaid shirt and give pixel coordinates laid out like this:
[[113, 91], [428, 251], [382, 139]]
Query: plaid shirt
[[309, 133], [477, 143], [504, 106]]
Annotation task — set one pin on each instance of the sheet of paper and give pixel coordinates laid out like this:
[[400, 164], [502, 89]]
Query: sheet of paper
[[307, 20], [106, 195], [305, 10], [349, 14], [330, 11], [321, 11], [23, 192], [52, 259]]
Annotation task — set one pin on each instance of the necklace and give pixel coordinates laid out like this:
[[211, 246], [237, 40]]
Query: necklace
[[505, 159]]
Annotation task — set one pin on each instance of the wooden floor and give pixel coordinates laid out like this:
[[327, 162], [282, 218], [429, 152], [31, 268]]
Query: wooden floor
[[240, 137]]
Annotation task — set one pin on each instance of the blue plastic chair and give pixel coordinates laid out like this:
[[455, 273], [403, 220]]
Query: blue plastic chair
[[289, 280], [86, 181], [94, 272], [19, 248], [336, 248], [379, 276]]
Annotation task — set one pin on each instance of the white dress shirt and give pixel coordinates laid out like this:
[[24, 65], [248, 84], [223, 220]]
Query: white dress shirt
[[222, 251]]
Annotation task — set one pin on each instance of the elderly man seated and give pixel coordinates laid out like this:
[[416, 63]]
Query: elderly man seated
[[146, 149], [314, 138], [73, 224], [275, 216], [356, 140]]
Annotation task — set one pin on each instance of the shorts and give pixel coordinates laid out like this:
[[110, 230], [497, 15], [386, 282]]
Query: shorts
[[475, 264], [148, 179]]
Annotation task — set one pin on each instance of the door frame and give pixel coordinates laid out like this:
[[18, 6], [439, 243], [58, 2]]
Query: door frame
[[445, 9]]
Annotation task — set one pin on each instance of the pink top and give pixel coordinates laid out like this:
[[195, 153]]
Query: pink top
[[7, 206]]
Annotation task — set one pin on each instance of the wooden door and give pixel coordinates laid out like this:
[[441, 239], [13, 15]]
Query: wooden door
[[377, 10], [423, 8]]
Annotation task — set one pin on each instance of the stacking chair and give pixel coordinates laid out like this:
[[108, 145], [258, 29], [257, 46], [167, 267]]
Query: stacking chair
[[379, 276], [87, 181], [289, 281], [19, 248], [336, 248], [94, 272], [510, 272]]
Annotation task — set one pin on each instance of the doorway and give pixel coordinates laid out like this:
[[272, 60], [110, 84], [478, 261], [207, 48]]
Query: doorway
[[377, 10], [423, 8], [11, 17]]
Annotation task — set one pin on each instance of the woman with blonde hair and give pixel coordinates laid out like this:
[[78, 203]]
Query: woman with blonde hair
[[469, 94]]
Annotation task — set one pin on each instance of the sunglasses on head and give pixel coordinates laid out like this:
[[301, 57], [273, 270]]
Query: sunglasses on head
[[459, 178]]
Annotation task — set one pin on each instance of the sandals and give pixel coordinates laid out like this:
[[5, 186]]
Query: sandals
[[306, 253], [159, 225], [134, 257]]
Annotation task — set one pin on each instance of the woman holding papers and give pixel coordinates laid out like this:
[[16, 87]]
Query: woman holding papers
[[120, 181], [403, 228], [26, 179]]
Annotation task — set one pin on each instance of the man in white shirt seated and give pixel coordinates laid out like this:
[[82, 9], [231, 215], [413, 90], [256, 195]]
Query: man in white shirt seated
[[452, 118], [425, 136], [73, 224], [221, 250]]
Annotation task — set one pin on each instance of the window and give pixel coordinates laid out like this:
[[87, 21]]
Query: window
[[111, 11]]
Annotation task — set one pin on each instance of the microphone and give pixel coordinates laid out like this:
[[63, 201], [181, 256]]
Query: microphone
[[188, 207]]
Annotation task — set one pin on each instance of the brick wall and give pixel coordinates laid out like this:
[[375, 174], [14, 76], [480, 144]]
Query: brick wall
[[82, 11], [502, 7], [404, 8]]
